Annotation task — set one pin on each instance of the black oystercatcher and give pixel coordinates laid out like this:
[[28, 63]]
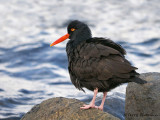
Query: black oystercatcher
[[97, 64]]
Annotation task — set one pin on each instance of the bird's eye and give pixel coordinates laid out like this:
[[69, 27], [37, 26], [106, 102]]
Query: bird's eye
[[72, 29]]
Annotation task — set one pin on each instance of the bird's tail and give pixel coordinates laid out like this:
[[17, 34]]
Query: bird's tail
[[138, 80]]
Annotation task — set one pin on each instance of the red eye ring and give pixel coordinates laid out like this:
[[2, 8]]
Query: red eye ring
[[72, 29]]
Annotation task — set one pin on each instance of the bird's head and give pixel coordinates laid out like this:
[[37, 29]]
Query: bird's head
[[77, 32]]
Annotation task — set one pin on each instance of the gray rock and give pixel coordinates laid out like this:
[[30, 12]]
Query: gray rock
[[143, 101], [64, 109]]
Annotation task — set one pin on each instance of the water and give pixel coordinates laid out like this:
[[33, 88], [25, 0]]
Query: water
[[31, 71]]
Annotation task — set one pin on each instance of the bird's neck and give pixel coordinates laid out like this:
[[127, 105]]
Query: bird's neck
[[79, 39]]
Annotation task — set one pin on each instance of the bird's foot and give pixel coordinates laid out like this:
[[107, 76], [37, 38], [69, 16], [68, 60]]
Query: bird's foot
[[88, 106], [91, 106], [100, 108]]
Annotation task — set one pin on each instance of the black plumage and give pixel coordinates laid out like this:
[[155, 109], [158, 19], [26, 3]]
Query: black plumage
[[97, 64]]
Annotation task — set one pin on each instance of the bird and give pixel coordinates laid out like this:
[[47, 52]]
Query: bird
[[96, 63]]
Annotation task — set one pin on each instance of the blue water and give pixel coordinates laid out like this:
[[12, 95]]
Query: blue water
[[31, 71]]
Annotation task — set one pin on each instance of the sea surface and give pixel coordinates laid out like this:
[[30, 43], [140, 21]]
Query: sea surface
[[31, 71]]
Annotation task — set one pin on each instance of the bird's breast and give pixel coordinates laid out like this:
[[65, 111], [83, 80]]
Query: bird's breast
[[73, 52]]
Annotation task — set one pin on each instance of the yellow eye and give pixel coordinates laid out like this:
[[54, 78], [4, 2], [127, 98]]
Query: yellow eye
[[72, 29]]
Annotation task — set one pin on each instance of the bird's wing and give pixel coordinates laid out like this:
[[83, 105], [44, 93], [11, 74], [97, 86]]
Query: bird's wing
[[100, 59], [107, 42]]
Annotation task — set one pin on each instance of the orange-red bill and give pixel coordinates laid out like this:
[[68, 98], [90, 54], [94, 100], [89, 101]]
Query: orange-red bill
[[60, 39]]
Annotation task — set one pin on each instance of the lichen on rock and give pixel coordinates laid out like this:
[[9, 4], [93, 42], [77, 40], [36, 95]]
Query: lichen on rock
[[65, 109]]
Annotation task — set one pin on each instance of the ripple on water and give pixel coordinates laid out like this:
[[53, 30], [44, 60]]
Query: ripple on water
[[11, 118], [150, 42], [24, 91], [1, 90], [60, 83], [141, 54], [9, 102]]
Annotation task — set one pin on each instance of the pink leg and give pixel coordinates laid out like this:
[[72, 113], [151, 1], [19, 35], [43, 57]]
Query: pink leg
[[92, 103], [103, 100]]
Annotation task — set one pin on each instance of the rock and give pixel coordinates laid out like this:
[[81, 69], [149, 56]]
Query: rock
[[143, 101], [64, 109]]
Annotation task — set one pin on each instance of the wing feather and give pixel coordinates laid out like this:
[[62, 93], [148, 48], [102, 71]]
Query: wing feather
[[100, 59]]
